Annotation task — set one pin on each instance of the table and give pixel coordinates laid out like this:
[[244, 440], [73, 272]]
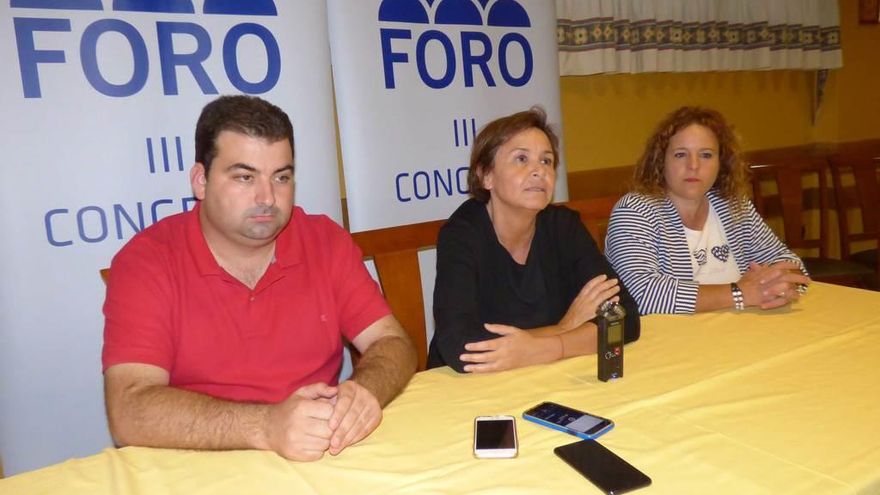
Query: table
[[784, 401]]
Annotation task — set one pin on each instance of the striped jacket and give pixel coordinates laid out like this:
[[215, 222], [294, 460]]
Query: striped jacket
[[647, 247]]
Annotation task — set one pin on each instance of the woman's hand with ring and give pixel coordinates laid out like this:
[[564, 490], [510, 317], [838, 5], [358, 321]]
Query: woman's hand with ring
[[583, 308]]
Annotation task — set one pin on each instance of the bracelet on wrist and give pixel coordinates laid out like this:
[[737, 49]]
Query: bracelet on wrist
[[737, 293]]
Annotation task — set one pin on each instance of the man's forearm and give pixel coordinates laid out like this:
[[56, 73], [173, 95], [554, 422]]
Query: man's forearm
[[386, 367], [163, 416]]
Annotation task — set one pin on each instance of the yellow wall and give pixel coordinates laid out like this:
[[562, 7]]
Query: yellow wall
[[607, 118]]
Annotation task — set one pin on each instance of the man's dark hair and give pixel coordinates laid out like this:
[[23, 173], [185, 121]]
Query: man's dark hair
[[248, 115]]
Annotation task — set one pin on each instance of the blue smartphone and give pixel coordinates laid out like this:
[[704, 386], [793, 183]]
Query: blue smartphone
[[571, 421]]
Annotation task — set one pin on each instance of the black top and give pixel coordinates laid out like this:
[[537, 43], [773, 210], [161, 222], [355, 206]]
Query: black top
[[479, 282]]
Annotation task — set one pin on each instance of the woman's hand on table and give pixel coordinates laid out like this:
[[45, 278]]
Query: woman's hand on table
[[772, 286], [514, 348], [583, 309]]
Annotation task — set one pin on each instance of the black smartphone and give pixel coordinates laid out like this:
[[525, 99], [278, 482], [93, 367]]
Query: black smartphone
[[603, 468]]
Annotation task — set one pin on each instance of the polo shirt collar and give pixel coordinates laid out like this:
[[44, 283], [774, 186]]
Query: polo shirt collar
[[288, 244]]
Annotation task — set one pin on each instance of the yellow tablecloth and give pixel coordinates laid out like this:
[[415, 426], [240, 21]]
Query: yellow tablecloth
[[785, 401]]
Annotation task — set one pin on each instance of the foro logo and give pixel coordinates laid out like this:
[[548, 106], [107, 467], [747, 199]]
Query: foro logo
[[508, 56], [169, 37]]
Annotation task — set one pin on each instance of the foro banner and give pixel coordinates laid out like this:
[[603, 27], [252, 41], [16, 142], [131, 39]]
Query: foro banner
[[100, 100], [415, 80]]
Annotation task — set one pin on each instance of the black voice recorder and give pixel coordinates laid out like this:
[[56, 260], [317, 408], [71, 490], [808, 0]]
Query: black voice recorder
[[610, 319]]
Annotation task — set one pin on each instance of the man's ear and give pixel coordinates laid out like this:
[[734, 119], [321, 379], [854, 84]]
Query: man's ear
[[198, 180]]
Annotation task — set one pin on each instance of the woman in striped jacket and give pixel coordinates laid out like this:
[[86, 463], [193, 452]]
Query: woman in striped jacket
[[688, 239]]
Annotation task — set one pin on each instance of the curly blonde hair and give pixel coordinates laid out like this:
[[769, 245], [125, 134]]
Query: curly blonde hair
[[733, 179]]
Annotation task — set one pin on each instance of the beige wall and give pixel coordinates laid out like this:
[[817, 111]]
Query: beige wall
[[606, 118]]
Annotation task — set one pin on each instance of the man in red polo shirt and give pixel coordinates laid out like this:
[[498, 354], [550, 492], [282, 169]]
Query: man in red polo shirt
[[224, 326]]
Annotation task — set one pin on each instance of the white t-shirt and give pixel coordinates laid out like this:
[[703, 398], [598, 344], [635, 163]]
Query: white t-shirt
[[711, 257]]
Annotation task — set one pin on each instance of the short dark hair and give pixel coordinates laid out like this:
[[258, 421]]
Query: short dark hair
[[249, 115], [494, 135]]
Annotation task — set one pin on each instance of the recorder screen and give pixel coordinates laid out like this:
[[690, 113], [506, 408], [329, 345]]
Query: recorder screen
[[615, 333]]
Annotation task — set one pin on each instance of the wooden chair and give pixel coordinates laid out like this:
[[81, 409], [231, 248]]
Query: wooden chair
[[864, 196], [395, 252], [788, 176], [595, 213]]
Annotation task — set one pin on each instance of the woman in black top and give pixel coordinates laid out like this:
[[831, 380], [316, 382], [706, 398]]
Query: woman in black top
[[518, 280]]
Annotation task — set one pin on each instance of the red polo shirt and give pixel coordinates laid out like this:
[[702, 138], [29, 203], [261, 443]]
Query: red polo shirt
[[170, 304]]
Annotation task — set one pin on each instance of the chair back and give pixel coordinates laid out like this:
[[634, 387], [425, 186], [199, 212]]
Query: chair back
[[792, 200], [595, 214], [395, 252], [863, 195], [788, 175]]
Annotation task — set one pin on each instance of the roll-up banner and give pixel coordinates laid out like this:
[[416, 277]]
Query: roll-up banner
[[416, 79], [99, 101]]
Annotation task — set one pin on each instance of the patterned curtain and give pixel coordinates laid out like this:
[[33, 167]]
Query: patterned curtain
[[601, 36]]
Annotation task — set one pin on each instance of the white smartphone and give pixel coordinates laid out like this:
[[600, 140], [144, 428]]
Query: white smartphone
[[495, 437]]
